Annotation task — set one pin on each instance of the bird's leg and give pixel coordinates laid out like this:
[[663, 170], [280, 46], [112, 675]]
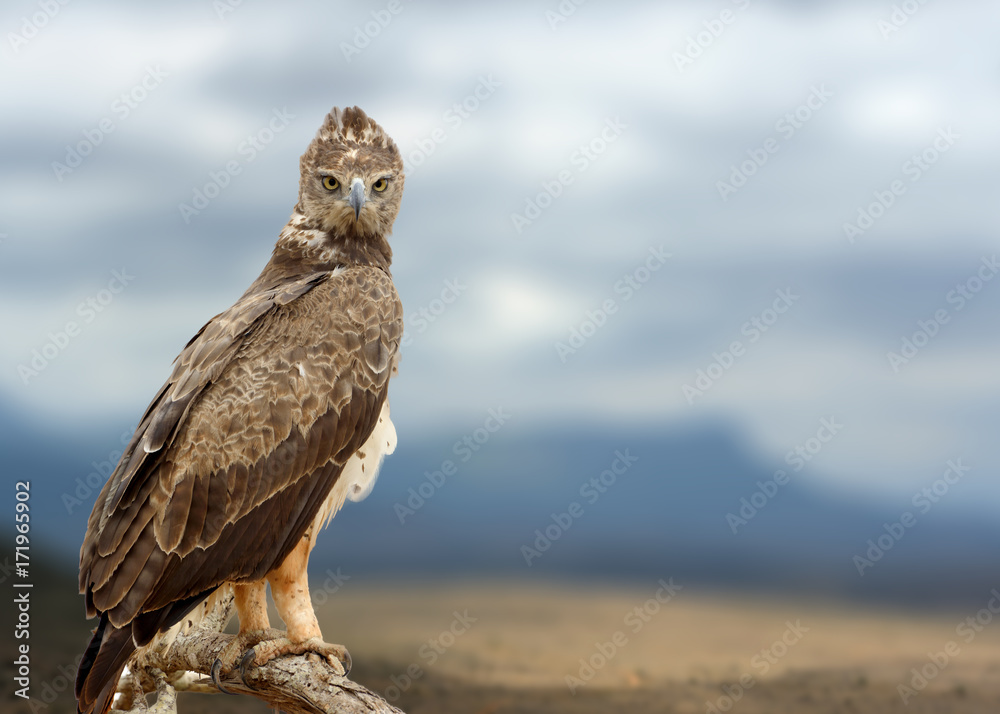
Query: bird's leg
[[251, 608], [290, 591]]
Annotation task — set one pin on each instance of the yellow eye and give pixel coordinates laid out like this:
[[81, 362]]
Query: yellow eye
[[381, 184], [330, 183]]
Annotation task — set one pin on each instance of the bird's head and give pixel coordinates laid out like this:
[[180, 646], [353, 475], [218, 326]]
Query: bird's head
[[351, 177]]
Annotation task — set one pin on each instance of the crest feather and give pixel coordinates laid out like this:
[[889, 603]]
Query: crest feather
[[351, 124]]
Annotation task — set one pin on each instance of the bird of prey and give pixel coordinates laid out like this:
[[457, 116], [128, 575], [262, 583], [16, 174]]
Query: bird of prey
[[274, 414]]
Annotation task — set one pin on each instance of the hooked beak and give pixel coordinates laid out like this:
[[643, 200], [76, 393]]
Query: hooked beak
[[357, 198]]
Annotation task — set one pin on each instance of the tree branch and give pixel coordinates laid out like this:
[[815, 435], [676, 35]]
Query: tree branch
[[302, 684]]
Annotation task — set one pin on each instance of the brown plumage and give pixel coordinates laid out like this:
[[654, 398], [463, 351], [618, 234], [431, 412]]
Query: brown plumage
[[252, 444]]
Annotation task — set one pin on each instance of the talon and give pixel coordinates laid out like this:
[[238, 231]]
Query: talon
[[336, 656], [246, 661], [216, 670]]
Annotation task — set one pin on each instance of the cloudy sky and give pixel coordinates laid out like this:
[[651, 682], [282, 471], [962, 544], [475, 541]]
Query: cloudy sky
[[632, 214]]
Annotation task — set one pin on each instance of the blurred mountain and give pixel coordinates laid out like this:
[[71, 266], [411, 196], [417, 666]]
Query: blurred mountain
[[455, 506]]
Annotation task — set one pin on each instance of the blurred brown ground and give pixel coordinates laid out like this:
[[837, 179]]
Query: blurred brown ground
[[526, 638]]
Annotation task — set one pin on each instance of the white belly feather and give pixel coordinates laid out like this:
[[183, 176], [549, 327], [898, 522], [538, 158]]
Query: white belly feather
[[358, 477]]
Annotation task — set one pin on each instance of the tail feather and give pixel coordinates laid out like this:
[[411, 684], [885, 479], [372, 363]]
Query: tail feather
[[102, 667], [110, 648]]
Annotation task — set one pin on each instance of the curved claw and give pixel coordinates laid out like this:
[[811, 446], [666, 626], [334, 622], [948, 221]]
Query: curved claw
[[216, 670], [347, 662], [248, 657]]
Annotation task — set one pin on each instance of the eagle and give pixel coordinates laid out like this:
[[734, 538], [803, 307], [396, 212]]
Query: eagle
[[275, 413]]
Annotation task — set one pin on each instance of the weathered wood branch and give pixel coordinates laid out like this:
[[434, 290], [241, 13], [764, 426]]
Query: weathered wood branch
[[303, 684]]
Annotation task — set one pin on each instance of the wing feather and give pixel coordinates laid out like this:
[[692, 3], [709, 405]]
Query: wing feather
[[132, 570], [123, 532], [209, 352], [170, 522], [237, 476], [235, 456], [104, 568], [197, 513]]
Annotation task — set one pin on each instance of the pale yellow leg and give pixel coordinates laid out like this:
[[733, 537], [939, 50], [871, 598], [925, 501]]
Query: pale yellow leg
[[290, 590], [251, 606], [255, 627]]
